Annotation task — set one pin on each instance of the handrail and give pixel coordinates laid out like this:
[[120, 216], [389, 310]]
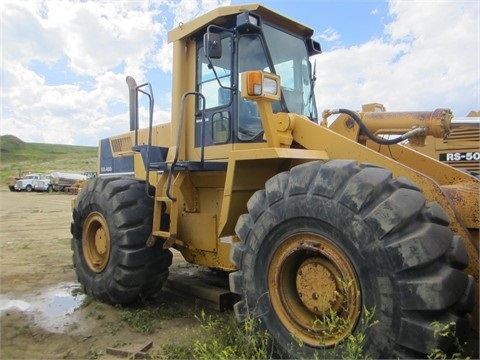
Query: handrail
[[150, 128], [179, 138]]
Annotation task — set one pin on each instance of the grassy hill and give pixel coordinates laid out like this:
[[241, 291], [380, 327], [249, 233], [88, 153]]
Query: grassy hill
[[17, 156]]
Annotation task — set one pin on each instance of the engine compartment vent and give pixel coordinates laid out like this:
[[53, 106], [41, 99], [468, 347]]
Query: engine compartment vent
[[121, 144]]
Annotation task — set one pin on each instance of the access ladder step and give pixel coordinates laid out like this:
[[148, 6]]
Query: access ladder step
[[162, 234]]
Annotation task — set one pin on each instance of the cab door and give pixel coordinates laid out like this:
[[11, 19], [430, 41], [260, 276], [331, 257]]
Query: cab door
[[214, 111]]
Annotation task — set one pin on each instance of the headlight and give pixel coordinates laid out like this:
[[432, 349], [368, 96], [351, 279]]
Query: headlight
[[260, 84], [270, 86]]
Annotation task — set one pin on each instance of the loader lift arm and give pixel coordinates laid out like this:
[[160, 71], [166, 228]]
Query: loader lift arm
[[460, 202]]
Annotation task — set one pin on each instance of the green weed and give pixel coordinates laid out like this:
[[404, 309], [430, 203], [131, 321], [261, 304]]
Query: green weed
[[352, 346], [448, 331], [225, 339], [221, 337], [144, 318], [140, 320], [24, 247], [112, 327], [175, 351]]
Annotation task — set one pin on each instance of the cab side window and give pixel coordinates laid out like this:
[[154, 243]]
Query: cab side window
[[207, 84], [217, 93]]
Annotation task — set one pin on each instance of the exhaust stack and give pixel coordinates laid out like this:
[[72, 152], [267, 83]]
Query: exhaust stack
[[133, 104]]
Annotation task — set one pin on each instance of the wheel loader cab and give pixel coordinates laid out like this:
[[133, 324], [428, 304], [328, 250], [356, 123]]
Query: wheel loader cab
[[209, 116], [222, 54]]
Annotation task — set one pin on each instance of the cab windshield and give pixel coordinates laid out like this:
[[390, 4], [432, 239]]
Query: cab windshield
[[290, 61]]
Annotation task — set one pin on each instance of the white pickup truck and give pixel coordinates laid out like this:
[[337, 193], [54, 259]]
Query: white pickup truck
[[33, 182]]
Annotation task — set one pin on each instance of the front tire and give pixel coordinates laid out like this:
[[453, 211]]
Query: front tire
[[338, 238], [111, 224]]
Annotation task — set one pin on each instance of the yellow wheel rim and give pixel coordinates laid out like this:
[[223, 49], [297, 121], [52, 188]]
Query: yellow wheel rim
[[96, 242], [311, 284]]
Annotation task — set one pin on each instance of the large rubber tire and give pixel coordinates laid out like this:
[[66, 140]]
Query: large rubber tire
[[111, 223], [323, 225]]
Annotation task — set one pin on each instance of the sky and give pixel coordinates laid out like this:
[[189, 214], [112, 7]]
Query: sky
[[64, 62]]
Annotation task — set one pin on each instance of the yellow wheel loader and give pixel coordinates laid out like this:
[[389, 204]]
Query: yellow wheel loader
[[314, 218]]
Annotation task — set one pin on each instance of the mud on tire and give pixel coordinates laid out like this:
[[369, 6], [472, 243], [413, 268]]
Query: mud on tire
[[111, 224], [407, 263]]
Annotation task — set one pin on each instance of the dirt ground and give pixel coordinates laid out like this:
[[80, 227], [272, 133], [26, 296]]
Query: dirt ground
[[43, 314]]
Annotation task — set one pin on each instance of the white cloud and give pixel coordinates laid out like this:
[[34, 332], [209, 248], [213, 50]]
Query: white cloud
[[329, 35], [428, 58], [185, 10], [99, 42], [351, 77], [164, 57], [25, 37], [102, 35]]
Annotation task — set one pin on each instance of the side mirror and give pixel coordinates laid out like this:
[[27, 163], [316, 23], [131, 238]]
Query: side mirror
[[212, 43]]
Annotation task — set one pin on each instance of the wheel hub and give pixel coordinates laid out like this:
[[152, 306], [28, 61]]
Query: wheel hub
[[100, 241], [96, 242], [309, 280], [317, 286]]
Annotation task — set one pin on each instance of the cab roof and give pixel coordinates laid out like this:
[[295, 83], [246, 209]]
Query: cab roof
[[222, 15]]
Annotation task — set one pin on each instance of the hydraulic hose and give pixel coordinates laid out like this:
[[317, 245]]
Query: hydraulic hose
[[366, 131]]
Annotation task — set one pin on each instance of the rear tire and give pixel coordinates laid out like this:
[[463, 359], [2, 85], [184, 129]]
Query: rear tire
[[322, 225], [111, 224]]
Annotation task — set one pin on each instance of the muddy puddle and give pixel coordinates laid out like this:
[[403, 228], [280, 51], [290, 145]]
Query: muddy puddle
[[52, 309]]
